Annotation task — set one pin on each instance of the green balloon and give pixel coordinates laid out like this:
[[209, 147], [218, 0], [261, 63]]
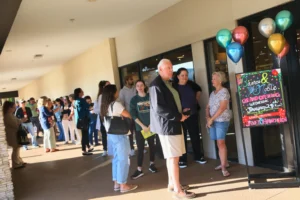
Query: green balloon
[[224, 37], [284, 20]]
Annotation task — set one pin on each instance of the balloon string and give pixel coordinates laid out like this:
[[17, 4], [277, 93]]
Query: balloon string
[[278, 60]]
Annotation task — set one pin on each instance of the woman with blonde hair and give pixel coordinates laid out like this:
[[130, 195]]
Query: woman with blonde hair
[[12, 124], [46, 120], [218, 116]]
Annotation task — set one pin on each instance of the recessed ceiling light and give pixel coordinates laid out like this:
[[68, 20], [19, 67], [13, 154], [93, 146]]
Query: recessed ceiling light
[[14, 79], [4, 88], [8, 50], [92, 0], [72, 20]]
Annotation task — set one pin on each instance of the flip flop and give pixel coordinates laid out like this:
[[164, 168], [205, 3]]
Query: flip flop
[[132, 187], [220, 167], [116, 189], [225, 173]]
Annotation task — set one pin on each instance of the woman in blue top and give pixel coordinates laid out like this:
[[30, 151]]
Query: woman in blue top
[[82, 113], [140, 113], [47, 123], [58, 106]]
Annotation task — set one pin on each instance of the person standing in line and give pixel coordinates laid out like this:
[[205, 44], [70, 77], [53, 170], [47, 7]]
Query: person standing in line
[[57, 114], [25, 112], [93, 132], [189, 93], [126, 94], [35, 116], [140, 112], [166, 118], [218, 117], [47, 123], [71, 118], [82, 113], [97, 110], [67, 123], [118, 145], [12, 124]]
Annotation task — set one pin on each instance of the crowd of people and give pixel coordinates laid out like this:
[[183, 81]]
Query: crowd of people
[[163, 117]]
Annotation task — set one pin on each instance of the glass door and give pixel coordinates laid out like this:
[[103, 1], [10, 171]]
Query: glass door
[[216, 60]]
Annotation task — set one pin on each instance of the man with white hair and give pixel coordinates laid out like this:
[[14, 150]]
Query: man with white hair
[[166, 117]]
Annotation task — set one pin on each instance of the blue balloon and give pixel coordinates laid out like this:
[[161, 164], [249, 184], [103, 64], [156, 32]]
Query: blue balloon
[[235, 51]]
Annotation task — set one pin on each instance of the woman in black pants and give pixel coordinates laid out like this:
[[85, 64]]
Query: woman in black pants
[[82, 113], [189, 92], [140, 112]]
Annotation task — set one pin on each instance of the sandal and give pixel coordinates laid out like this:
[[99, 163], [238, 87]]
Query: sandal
[[186, 195], [183, 187], [131, 188], [220, 167], [47, 150], [116, 189], [225, 173]]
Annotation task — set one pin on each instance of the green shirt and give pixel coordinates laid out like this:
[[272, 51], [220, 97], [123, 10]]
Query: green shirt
[[33, 109], [175, 95], [140, 109]]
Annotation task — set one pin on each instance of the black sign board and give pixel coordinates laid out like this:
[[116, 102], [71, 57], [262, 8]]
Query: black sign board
[[261, 98]]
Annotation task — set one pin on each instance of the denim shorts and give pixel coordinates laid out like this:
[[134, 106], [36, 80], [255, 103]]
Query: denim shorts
[[218, 130]]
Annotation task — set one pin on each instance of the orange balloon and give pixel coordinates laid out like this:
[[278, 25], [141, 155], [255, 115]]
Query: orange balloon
[[285, 50], [276, 43]]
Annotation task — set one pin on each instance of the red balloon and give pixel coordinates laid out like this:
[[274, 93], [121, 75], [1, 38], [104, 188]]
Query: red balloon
[[240, 34], [284, 51]]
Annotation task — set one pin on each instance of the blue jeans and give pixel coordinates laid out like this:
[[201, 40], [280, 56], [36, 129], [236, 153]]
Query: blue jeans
[[119, 149], [93, 131], [218, 130], [30, 129], [61, 136]]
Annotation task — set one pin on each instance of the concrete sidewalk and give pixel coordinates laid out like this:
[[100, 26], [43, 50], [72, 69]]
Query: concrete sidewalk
[[67, 175]]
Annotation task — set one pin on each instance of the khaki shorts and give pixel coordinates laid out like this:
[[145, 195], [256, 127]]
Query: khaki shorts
[[172, 145]]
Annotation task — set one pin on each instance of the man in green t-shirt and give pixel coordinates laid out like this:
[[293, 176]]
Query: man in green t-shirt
[[35, 115]]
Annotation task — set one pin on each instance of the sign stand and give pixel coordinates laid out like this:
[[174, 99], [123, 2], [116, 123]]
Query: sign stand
[[257, 178]]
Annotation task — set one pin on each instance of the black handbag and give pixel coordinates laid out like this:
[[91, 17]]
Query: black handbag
[[117, 125], [83, 124], [22, 136]]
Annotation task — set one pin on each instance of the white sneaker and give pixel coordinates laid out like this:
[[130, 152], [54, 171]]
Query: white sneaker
[[132, 152], [145, 151], [104, 154], [66, 142]]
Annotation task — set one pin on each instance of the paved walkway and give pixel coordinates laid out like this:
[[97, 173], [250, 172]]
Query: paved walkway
[[67, 175]]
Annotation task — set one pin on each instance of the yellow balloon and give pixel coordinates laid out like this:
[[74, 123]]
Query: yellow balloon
[[276, 43]]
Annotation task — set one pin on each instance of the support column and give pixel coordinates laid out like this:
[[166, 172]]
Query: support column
[[6, 185]]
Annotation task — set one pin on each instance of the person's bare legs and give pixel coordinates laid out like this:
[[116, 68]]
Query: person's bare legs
[[222, 153], [173, 170], [170, 184]]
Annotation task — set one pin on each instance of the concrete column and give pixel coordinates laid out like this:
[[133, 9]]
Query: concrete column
[[6, 185], [232, 70], [201, 78]]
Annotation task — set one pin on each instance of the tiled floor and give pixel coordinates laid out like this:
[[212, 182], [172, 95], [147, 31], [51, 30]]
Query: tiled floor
[[67, 175]]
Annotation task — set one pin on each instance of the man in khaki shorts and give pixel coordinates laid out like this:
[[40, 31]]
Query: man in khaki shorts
[[166, 117]]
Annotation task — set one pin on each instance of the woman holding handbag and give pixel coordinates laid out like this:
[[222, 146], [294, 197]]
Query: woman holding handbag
[[82, 115], [118, 145], [140, 112], [12, 125]]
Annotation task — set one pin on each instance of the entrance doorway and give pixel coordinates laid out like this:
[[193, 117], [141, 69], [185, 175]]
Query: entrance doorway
[[216, 60], [272, 147]]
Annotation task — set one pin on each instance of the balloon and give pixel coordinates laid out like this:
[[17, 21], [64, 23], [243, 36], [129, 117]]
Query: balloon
[[224, 37], [276, 43], [240, 34], [284, 51], [284, 20], [267, 27], [235, 51]]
